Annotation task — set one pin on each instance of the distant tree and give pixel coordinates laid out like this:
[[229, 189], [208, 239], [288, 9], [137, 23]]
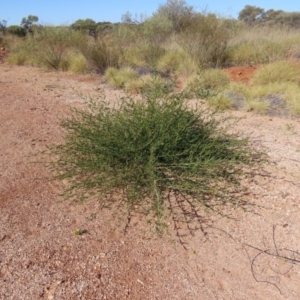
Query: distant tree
[[16, 30], [127, 18], [88, 25], [251, 14], [289, 19], [177, 11], [3, 24], [271, 16], [27, 23]]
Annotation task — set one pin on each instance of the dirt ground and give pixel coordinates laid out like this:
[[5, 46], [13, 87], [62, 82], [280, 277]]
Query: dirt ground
[[254, 255]]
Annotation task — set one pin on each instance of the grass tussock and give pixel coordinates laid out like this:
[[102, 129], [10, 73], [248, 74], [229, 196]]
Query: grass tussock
[[220, 102], [257, 105], [176, 62], [206, 83], [78, 64], [150, 150], [277, 72], [256, 52], [18, 58], [261, 44], [118, 77], [267, 98]]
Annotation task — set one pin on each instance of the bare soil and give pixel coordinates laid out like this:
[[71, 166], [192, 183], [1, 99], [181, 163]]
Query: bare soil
[[241, 74], [253, 255]]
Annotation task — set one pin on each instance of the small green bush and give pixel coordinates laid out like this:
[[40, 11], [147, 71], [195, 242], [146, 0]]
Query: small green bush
[[16, 30], [149, 150]]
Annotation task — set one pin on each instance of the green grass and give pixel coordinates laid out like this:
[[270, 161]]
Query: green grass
[[257, 97], [149, 150], [257, 105], [256, 52], [278, 72], [220, 102], [206, 83], [18, 58], [176, 62], [262, 44], [118, 77]]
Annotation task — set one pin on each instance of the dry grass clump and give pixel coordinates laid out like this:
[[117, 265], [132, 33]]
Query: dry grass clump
[[176, 62], [257, 105], [281, 98], [78, 64], [221, 102], [261, 44], [256, 52], [118, 77], [129, 80], [211, 80], [18, 58]]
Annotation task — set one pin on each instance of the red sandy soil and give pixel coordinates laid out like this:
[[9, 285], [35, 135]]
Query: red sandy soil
[[241, 74], [254, 255]]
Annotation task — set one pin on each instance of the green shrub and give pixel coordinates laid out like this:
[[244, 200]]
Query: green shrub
[[157, 152], [16, 30]]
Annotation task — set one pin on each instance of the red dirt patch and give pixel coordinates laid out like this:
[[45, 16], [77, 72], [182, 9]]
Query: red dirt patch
[[241, 74]]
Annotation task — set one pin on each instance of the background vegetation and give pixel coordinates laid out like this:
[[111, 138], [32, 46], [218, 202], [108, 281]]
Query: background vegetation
[[176, 44]]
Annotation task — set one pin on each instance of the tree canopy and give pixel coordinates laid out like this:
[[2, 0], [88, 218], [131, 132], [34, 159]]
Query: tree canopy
[[27, 23], [253, 15]]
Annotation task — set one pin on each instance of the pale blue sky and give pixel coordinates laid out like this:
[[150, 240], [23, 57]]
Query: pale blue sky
[[58, 12]]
